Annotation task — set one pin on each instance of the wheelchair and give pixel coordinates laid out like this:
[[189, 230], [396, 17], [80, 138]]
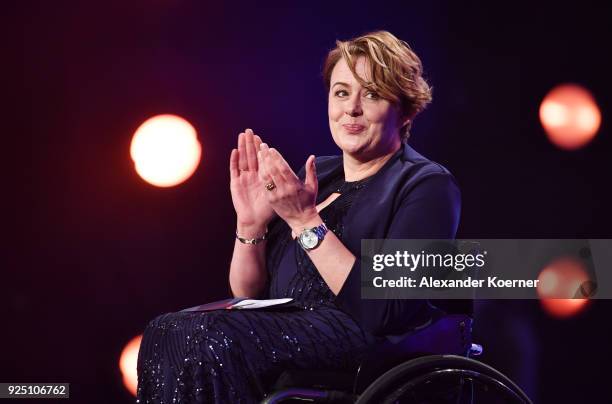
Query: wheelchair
[[432, 364]]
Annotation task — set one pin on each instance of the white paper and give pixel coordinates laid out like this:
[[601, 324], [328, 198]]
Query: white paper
[[257, 304]]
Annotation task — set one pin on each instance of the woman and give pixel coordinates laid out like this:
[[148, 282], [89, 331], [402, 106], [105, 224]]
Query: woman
[[299, 236]]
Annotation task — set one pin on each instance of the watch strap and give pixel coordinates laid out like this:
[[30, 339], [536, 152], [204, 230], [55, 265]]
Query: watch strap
[[320, 231]]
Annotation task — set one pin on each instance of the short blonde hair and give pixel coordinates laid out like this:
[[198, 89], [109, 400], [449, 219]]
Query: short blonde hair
[[396, 71]]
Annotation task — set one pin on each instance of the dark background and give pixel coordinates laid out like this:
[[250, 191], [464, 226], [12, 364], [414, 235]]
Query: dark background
[[92, 253]]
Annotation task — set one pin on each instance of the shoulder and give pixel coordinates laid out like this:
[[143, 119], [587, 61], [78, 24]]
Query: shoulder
[[418, 166], [411, 170], [422, 198]]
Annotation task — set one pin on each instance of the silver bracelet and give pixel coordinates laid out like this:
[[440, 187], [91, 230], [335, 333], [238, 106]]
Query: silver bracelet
[[256, 240]]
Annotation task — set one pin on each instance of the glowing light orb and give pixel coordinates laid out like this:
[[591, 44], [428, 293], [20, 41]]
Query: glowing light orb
[[127, 364], [570, 116], [560, 282], [165, 150]]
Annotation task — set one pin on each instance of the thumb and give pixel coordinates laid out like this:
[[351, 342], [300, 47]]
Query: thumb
[[311, 173]]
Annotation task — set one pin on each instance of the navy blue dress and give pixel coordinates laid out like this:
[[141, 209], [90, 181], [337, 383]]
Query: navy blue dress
[[234, 356]]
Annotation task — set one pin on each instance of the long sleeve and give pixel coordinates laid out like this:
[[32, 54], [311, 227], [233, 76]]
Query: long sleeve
[[429, 210]]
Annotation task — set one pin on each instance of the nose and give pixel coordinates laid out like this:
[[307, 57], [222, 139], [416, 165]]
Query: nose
[[353, 106]]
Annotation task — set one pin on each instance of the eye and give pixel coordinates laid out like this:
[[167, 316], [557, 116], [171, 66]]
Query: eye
[[373, 95], [341, 93]]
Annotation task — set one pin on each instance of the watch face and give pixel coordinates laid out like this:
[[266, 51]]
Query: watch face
[[309, 239]]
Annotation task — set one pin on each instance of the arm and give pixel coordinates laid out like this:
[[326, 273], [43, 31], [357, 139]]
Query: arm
[[331, 258], [295, 202], [248, 275]]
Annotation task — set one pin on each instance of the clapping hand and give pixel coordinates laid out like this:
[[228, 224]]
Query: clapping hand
[[293, 200], [253, 211]]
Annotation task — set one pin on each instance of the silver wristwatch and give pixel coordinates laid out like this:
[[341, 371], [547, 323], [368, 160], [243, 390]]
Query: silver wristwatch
[[310, 239]]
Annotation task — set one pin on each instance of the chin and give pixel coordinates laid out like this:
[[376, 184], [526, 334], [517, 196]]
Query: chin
[[352, 144]]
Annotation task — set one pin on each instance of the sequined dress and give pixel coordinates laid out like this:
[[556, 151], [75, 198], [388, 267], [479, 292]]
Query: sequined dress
[[234, 356]]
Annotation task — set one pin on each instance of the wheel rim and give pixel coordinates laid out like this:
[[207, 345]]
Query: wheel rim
[[461, 375], [416, 368]]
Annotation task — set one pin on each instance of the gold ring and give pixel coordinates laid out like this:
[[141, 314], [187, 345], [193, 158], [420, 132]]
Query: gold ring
[[270, 186]]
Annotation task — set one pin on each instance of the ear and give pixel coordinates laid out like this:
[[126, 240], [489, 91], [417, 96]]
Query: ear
[[406, 120], [402, 116]]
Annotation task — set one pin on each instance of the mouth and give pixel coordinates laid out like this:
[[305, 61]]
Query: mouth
[[353, 129]]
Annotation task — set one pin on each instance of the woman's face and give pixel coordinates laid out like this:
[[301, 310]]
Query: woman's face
[[363, 124]]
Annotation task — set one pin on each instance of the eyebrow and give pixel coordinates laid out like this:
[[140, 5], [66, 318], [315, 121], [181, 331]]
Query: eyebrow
[[340, 83]]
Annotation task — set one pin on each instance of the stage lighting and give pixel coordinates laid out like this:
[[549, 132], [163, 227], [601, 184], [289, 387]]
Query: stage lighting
[[127, 364], [561, 284], [570, 116], [165, 150]]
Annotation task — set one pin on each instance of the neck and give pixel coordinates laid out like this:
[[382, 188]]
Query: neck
[[356, 169]]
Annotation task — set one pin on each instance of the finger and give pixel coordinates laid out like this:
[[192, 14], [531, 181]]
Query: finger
[[258, 142], [271, 173], [262, 171], [272, 166], [251, 153], [277, 179], [311, 174], [242, 154], [267, 178], [266, 153], [263, 153], [286, 182], [282, 166], [234, 170]]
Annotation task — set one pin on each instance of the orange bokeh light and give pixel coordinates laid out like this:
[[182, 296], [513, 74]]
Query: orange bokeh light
[[563, 308], [570, 116], [165, 150], [559, 283], [127, 364]]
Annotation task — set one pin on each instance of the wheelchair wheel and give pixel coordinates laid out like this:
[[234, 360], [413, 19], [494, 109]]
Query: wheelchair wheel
[[442, 379]]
